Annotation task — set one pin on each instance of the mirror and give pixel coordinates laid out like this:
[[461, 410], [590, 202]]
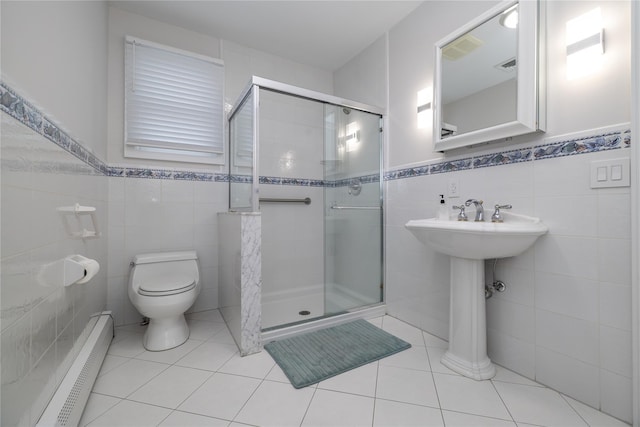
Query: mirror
[[486, 80]]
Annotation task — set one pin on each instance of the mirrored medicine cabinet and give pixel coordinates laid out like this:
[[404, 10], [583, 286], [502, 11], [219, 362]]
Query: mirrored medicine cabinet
[[488, 84]]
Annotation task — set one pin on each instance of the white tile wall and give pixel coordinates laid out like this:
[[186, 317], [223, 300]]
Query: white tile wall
[[43, 323], [152, 215], [565, 317], [568, 297]]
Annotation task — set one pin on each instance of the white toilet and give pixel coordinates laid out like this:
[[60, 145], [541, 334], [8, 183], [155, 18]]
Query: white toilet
[[162, 286]]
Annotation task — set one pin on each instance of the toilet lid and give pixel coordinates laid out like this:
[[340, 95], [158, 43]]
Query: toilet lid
[[167, 285]]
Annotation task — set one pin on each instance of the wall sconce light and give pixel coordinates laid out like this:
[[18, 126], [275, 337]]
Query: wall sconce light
[[585, 44], [424, 106], [352, 137]]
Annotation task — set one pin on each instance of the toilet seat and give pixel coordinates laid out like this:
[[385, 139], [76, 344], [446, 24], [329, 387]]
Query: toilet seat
[[167, 285]]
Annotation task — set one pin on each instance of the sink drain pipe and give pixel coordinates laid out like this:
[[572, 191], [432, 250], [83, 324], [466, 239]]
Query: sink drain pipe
[[496, 285]]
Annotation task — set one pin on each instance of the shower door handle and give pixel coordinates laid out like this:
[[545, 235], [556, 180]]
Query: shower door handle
[[356, 207]]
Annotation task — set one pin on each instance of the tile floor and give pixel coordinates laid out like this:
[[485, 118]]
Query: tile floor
[[205, 382]]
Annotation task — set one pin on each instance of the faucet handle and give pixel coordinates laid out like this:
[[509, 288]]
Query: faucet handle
[[497, 216], [462, 216], [474, 201]]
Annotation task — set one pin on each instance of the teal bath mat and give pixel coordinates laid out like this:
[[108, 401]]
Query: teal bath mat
[[315, 356]]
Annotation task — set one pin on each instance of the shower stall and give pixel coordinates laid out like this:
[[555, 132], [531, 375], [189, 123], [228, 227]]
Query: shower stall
[[311, 165]]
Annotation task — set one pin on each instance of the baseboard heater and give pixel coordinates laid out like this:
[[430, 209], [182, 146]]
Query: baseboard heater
[[68, 402]]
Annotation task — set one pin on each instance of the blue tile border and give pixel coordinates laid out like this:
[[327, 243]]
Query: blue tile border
[[583, 145], [17, 107], [23, 111]]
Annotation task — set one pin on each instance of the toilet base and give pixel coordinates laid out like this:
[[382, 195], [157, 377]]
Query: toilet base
[[165, 333]]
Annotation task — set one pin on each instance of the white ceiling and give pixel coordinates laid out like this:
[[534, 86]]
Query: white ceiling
[[324, 34]]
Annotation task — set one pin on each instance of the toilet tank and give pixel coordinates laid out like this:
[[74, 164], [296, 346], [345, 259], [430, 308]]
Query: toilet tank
[[163, 264]]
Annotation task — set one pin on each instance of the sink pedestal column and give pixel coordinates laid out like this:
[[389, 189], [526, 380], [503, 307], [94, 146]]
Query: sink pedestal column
[[467, 353]]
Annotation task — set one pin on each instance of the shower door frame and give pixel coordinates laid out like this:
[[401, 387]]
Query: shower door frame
[[252, 89]]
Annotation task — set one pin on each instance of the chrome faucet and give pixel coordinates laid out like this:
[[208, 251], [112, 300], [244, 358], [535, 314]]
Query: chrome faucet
[[462, 216], [479, 209], [497, 216]]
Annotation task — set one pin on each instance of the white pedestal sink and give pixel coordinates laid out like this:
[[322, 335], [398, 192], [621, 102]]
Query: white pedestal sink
[[469, 244]]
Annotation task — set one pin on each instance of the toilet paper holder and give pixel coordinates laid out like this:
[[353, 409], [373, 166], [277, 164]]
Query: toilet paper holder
[[67, 271], [79, 269]]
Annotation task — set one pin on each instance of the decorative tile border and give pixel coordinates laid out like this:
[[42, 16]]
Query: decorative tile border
[[23, 111], [20, 109], [591, 144]]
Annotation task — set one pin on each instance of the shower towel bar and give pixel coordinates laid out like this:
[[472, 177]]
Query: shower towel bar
[[356, 207], [306, 200]]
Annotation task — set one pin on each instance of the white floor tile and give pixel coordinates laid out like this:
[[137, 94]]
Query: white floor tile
[[434, 341], [276, 404], [403, 330], [221, 396], [127, 378], [210, 315], [460, 394], [223, 337], [127, 413], [506, 376], [277, 374], [360, 381], [97, 405], [171, 387], [203, 330], [412, 358], [393, 414], [185, 419], [330, 408], [236, 395], [170, 356], [457, 419], [110, 362], [406, 385], [435, 357], [126, 344], [537, 405], [209, 356], [255, 365]]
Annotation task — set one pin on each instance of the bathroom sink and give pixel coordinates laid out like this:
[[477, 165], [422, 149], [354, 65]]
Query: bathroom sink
[[468, 244], [479, 240]]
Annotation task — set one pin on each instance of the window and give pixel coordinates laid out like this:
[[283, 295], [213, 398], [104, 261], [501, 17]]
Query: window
[[173, 104]]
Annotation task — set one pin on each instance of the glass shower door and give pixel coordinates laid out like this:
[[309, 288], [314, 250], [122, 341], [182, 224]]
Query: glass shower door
[[353, 209], [243, 154]]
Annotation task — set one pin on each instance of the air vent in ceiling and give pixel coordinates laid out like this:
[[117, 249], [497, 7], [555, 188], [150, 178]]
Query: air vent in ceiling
[[460, 47], [508, 65]]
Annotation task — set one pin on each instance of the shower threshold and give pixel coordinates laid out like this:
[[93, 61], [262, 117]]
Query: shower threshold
[[297, 328]]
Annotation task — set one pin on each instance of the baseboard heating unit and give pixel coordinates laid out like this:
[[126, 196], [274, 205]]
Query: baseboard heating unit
[[68, 402]]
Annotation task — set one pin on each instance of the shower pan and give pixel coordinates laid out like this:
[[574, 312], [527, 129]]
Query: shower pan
[[311, 165]]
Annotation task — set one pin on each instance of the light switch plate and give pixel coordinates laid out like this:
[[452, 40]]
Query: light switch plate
[[453, 188], [610, 173]]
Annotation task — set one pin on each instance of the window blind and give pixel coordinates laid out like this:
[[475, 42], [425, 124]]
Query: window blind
[[174, 104]]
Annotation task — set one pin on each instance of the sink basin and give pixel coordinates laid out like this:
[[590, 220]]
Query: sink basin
[[469, 244], [479, 240]]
